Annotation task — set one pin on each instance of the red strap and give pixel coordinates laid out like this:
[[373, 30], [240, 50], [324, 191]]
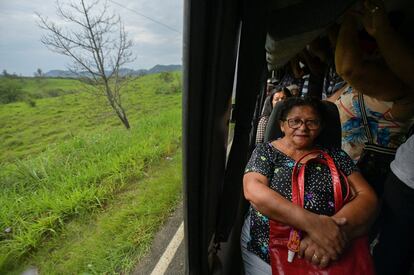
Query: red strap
[[296, 199], [298, 179]]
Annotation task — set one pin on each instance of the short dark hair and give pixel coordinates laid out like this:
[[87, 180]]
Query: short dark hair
[[292, 102], [287, 92], [280, 88], [276, 88]]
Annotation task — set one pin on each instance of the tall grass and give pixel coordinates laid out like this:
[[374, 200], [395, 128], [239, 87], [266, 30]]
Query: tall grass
[[39, 194], [111, 240]]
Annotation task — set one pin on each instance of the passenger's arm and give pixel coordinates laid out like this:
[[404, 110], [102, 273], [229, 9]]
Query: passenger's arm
[[315, 65], [261, 128], [369, 77], [361, 211], [297, 71], [397, 54], [321, 229]]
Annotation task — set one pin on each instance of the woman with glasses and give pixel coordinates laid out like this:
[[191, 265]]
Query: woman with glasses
[[267, 186]]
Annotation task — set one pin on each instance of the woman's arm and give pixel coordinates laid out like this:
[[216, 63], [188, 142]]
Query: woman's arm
[[369, 77], [321, 229], [361, 211]]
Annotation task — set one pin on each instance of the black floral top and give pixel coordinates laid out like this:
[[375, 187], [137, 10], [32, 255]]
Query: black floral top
[[278, 167]]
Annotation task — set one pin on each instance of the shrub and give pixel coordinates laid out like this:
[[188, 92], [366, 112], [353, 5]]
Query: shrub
[[10, 91], [55, 92], [31, 102], [167, 76], [170, 89], [87, 80]]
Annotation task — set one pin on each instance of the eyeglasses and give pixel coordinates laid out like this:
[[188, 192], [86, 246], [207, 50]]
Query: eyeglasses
[[296, 123]]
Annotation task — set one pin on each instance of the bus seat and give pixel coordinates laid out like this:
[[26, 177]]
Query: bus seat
[[330, 135]]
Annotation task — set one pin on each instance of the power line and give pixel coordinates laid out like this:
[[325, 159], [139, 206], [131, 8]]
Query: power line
[[147, 17]]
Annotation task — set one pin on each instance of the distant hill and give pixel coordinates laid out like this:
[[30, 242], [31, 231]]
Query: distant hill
[[164, 68], [59, 73], [123, 71]]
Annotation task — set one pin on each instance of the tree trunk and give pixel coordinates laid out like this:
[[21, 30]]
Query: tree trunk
[[125, 122], [122, 115]]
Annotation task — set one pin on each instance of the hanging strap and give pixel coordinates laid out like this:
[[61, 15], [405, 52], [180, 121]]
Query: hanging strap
[[365, 118], [371, 146]]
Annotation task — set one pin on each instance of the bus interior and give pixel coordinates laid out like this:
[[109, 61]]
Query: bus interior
[[230, 49]]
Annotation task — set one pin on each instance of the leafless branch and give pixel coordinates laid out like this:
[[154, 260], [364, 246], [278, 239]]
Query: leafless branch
[[96, 41]]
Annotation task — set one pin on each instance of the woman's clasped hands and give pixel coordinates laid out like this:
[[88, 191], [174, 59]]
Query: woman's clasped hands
[[324, 241]]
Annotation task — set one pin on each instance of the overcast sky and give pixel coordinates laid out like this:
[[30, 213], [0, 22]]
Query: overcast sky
[[21, 51]]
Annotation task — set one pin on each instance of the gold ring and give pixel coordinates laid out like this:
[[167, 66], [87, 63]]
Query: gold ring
[[375, 9], [324, 261]]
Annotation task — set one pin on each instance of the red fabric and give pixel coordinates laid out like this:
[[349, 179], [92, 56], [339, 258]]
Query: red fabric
[[355, 260]]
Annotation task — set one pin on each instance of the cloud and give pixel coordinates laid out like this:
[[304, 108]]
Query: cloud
[[154, 43]]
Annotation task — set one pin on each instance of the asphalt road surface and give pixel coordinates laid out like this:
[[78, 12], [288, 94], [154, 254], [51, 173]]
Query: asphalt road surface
[[167, 252]]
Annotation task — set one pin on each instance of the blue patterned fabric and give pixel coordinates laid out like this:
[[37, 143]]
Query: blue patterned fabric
[[385, 130]]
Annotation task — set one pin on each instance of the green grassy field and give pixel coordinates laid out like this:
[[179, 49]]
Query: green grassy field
[[26, 130], [69, 157], [50, 87]]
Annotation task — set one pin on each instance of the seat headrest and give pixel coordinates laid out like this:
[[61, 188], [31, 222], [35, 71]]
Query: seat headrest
[[330, 135]]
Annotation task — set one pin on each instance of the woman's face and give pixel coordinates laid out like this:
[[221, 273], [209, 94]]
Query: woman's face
[[301, 127], [278, 96]]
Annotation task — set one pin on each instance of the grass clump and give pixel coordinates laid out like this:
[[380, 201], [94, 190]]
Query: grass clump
[[79, 175], [113, 238]]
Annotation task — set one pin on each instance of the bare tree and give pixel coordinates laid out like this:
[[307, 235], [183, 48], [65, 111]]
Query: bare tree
[[96, 41], [38, 73]]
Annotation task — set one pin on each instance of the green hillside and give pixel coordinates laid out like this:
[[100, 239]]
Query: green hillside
[[49, 87], [26, 130], [25, 89], [68, 155]]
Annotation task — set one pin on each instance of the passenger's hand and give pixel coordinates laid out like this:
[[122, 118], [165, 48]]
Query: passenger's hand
[[326, 232], [374, 17], [310, 251]]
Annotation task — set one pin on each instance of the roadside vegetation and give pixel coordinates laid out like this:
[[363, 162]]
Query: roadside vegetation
[[26, 89], [67, 163]]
